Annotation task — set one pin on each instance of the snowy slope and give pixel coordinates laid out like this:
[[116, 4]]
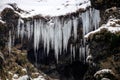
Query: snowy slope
[[47, 7]]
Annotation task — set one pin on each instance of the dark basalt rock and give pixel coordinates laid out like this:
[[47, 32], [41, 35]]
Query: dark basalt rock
[[9, 14], [104, 4]]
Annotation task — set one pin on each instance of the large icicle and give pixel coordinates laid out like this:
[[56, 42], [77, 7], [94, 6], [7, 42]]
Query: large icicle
[[66, 33]]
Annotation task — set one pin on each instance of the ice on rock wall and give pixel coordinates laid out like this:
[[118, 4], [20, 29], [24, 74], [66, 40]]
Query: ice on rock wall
[[90, 20], [55, 33]]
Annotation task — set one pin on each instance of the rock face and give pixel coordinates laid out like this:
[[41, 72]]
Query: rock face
[[10, 17], [104, 4], [14, 64], [104, 43], [3, 32], [105, 48]]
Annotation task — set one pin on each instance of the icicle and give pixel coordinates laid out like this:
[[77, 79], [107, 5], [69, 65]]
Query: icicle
[[90, 19], [18, 28], [13, 40], [71, 51], [80, 53], [74, 52], [10, 42], [36, 34], [66, 33], [28, 29], [96, 18], [20, 22], [75, 24], [57, 37], [86, 22]]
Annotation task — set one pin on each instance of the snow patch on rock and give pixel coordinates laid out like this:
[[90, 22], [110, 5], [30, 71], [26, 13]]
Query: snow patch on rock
[[113, 25], [104, 71]]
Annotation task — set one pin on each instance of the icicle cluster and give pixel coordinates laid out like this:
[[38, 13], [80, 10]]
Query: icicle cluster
[[90, 20], [55, 34]]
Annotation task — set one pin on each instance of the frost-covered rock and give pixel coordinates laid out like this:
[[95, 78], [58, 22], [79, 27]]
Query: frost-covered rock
[[105, 79], [15, 76], [25, 77], [39, 78], [112, 26], [104, 73], [89, 59]]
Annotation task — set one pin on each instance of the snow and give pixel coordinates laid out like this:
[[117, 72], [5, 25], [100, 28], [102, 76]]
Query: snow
[[1, 21], [112, 25], [15, 76], [48, 7], [24, 70], [39, 78], [103, 71], [26, 77], [3, 6], [105, 79], [89, 58]]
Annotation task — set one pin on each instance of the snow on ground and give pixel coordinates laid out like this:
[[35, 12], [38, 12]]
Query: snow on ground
[[39, 78], [26, 77], [47, 7], [1, 21], [104, 71], [113, 25]]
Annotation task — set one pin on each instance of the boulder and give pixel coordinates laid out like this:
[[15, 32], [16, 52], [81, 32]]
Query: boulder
[[104, 4]]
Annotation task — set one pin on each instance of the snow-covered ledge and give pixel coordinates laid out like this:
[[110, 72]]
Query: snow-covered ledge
[[113, 26], [46, 7]]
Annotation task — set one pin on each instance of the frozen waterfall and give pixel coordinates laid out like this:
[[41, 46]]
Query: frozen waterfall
[[56, 32]]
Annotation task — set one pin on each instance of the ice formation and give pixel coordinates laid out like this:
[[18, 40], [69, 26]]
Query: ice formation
[[55, 33], [91, 19]]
